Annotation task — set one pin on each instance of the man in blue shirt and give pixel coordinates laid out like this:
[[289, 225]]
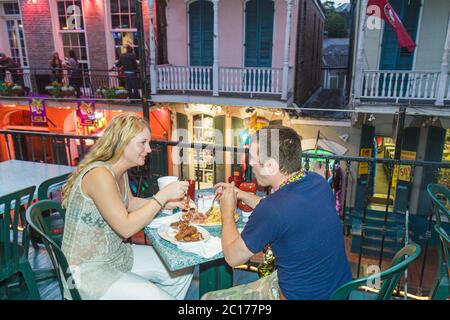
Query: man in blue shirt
[[298, 220]]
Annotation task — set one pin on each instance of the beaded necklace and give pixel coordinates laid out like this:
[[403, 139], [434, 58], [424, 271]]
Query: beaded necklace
[[267, 266]]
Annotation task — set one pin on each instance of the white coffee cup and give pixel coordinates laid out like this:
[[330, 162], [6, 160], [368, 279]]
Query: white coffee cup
[[164, 181]]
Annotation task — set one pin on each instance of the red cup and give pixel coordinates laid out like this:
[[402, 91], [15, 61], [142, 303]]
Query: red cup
[[247, 187], [191, 189], [237, 180]]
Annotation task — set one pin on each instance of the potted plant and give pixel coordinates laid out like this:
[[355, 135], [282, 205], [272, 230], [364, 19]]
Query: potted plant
[[67, 91], [121, 93], [55, 89], [18, 90], [107, 92], [6, 89]]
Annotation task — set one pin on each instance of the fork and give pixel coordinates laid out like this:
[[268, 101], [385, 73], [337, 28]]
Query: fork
[[212, 205]]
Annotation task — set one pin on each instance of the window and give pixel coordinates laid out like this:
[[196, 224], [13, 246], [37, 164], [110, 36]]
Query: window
[[11, 20], [70, 15], [71, 26], [203, 161], [11, 8], [123, 15], [16, 41]]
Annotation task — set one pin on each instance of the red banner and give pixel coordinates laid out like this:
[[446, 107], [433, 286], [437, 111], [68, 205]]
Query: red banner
[[389, 15]]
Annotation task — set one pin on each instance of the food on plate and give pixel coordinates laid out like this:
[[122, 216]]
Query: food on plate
[[186, 232]]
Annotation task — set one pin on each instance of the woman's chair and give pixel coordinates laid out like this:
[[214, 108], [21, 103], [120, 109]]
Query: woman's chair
[[388, 278], [14, 251], [440, 198], [36, 220]]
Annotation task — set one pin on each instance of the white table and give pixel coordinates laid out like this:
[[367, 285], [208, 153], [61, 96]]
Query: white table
[[16, 175]]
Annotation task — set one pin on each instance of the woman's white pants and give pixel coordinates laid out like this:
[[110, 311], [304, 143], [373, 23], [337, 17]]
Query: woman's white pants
[[149, 279]]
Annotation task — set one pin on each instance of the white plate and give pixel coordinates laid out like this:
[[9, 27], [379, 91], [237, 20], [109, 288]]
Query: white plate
[[168, 233]]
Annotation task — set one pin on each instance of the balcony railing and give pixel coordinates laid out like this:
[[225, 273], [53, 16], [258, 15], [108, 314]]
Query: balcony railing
[[184, 78], [447, 94], [251, 80], [374, 235], [387, 84], [231, 80], [34, 80]]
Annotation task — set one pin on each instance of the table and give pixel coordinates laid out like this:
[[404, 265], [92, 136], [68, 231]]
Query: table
[[214, 273], [16, 175]]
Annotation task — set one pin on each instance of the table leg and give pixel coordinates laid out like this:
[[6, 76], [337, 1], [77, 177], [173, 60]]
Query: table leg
[[215, 275]]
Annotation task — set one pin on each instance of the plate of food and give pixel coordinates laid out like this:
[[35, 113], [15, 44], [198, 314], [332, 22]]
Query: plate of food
[[183, 232], [213, 218]]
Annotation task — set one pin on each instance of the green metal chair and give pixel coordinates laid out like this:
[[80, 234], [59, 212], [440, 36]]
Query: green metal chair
[[441, 289], [36, 220], [440, 198], [388, 278], [14, 251]]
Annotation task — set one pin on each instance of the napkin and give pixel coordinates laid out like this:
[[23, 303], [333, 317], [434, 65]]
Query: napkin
[[205, 249], [157, 222]]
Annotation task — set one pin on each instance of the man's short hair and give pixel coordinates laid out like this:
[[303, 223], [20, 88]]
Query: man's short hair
[[282, 144]]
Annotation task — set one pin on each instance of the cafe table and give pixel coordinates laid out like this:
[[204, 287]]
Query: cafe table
[[214, 273], [16, 175]]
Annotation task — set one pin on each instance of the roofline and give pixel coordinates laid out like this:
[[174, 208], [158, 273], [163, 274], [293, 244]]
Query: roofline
[[321, 8]]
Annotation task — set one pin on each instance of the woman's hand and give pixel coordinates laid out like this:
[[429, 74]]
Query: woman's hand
[[178, 204], [173, 191]]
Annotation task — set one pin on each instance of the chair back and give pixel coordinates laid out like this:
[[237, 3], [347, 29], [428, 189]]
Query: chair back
[[441, 288], [389, 277], [13, 224], [37, 221], [53, 184], [440, 198]]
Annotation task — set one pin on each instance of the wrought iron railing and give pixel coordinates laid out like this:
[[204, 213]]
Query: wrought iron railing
[[90, 81], [391, 223]]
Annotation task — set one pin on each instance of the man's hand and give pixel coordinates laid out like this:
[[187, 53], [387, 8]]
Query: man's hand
[[219, 187], [228, 200]]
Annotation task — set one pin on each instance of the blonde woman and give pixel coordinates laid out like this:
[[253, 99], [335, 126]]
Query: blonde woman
[[101, 212]]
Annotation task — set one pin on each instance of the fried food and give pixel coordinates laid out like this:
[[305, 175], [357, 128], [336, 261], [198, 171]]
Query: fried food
[[213, 218], [186, 232]]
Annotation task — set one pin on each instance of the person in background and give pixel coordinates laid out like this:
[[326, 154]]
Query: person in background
[[56, 67], [127, 61], [75, 74], [102, 212]]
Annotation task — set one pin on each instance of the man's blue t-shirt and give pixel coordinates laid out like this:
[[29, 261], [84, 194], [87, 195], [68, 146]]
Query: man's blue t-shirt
[[301, 224]]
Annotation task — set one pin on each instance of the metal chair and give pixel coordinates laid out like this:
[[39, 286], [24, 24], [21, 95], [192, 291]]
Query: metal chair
[[389, 278], [14, 251], [36, 220]]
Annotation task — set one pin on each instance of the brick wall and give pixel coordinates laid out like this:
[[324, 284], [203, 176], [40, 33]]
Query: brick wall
[[38, 31], [309, 51], [94, 18]]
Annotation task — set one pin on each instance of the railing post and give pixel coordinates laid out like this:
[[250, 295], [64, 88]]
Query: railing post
[[216, 49], [153, 77], [287, 46], [360, 52], [444, 70]]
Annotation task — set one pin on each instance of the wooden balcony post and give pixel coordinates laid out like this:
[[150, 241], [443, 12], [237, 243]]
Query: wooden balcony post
[[216, 48], [360, 52], [287, 46], [442, 84], [153, 78]]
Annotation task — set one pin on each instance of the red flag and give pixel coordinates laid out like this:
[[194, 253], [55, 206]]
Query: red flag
[[390, 16]]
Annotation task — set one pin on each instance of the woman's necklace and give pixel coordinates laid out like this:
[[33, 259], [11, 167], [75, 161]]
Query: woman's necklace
[[295, 177]]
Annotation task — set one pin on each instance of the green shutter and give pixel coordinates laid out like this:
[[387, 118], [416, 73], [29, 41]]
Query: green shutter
[[367, 136], [259, 17], [201, 27], [219, 124], [410, 143], [433, 152]]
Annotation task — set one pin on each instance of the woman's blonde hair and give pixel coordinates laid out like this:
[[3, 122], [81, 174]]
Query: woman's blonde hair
[[109, 147]]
